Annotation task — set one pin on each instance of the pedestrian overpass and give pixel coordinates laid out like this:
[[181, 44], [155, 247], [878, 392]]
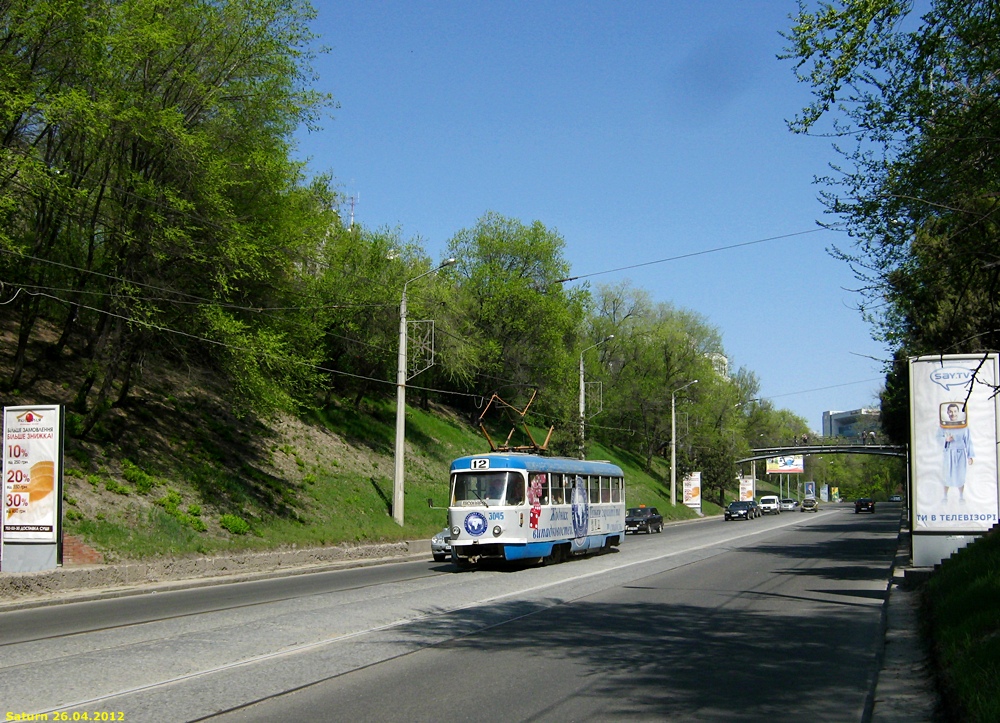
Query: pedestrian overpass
[[886, 450]]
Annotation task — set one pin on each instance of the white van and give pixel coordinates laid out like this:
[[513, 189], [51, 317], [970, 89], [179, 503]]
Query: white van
[[769, 504]]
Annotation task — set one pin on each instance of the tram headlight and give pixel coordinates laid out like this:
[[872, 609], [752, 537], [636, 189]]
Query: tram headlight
[[456, 531], [497, 530]]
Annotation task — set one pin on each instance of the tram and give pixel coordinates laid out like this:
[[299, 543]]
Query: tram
[[518, 506]]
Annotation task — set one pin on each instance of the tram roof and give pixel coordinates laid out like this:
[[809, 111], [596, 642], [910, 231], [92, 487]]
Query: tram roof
[[537, 463]]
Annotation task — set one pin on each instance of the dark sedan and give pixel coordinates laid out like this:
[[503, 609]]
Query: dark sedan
[[643, 519], [740, 510], [865, 504]]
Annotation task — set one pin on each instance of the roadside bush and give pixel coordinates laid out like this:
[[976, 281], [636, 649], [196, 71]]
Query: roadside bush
[[142, 481], [236, 525]]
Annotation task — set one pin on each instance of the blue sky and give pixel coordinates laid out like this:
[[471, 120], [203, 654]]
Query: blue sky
[[639, 131]]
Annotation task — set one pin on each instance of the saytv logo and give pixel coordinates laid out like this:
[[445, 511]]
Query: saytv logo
[[948, 377]]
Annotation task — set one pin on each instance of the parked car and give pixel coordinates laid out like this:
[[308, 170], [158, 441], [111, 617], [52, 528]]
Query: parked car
[[810, 504], [441, 545], [788, 505], [645, 519], [739, 510], [865, 504], [895, 498], [770, 504]]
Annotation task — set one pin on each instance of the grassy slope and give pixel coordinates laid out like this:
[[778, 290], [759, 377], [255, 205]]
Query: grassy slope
[[962, 619], [322, 480]]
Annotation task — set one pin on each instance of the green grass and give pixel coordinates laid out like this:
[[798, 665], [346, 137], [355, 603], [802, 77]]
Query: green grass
[[961, 612], [136, 535], [203, 506]]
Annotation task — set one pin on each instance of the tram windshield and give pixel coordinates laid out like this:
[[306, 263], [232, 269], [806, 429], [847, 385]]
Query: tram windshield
[[488, 488]]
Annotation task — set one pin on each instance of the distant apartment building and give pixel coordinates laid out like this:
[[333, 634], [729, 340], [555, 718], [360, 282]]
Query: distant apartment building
[[720, 363], [851, 424]]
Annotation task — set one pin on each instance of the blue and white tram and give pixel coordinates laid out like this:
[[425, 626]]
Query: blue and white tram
[[515, 506]]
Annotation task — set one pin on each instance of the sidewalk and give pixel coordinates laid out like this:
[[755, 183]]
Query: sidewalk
[[904, 690]]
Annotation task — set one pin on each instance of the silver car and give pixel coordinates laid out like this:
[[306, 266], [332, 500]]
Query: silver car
[[441, 545]]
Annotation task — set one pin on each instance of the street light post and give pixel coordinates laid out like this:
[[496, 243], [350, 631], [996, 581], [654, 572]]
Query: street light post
[[673, 442], [397, 477], [583, 398]]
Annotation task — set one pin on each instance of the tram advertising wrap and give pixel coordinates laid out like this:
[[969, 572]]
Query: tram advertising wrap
[[510, 506]]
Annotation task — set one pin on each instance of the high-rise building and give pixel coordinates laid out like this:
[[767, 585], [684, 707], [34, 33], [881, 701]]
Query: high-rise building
[[855, 423]]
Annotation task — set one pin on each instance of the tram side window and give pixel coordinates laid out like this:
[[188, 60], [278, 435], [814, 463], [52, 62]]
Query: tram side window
[[538, 488], [606, 483], [616, 489], [556, 480], [595, 489]]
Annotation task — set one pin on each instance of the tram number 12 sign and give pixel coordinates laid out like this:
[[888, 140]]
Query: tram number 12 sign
[[32, 456]]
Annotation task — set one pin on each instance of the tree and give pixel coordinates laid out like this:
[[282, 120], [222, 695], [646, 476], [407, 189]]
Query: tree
[[150, 203], [519, 322], [914, 103], [656, 350]]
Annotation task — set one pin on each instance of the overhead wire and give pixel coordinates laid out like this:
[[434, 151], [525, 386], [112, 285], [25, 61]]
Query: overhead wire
[[215, 342], [691, 255]]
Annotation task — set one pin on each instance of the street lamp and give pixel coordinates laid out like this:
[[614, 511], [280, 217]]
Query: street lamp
[[673, 441], [397, 478], [583, 392]]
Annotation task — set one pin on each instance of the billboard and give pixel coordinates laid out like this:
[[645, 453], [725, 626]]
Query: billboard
[[692, 490], [953, 429], [792, 464], [32, 473], [747, 488]]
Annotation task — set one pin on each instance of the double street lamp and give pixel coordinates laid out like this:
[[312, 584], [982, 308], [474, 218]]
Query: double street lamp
[[583, 393], [397, 478], [673, 441]]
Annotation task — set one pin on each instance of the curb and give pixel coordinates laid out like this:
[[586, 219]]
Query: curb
[[903, 689]]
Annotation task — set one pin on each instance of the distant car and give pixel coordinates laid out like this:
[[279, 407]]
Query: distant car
[[645, 519], [865, 504], [739, 510], [789, 505], [770, 504], [809, 504], [895, 498], [441, 545]]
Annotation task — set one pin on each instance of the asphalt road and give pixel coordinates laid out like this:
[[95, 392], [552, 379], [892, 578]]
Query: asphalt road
[[773, 619]]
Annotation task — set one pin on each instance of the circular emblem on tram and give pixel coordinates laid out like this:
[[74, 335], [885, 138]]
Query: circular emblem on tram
[[475, 523]]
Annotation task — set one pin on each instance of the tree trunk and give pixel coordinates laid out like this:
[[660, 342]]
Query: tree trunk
[[29, 314]]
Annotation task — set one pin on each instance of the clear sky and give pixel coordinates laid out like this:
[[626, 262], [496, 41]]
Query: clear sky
[[640, 131]]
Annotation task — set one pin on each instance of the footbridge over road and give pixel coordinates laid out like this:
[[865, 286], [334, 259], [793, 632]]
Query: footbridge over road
[[888, 450]]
